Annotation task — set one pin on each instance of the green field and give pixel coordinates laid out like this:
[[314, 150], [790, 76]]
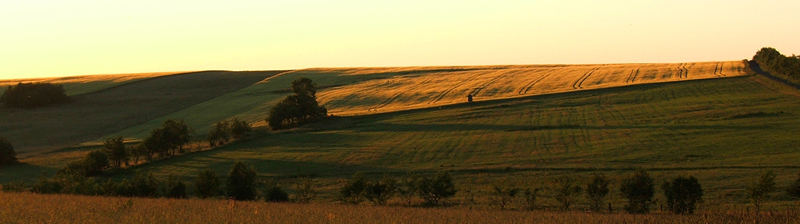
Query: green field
[[724, 131]]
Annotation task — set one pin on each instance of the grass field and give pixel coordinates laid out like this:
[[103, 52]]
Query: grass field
[[77, 85], [31, 208], [724, 131]]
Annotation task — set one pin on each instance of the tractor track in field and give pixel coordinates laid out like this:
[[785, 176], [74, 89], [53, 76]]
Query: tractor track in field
[[480, 88], [441, 96], [680, 70], [718, 70], [527, 87], [578, 83], [632, 76], [385, 102]]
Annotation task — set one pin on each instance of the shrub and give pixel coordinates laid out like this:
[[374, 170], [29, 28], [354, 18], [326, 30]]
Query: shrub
[[380, 191], [7, 153], [274, 193], [566, 192], [353, 191], [759, 190], [241, 182], [31, 95], [596, 191], [682, 194], [638, 189], [207, 184], [433, 190]]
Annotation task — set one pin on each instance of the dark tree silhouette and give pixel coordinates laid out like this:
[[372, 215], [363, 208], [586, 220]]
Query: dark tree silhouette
[[31, 95], [638, 189], [683, 194], [297, 109], [7, 153], [241, 182]]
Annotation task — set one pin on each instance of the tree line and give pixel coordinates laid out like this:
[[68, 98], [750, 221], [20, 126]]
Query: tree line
[[785, 67], [31, 95]]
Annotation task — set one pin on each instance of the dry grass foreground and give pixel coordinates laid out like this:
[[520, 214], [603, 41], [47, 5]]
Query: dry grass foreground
[[33, 208], [420, 87]]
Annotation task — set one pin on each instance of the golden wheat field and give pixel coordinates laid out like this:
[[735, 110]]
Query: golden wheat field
[[33, 208], [420, 87]]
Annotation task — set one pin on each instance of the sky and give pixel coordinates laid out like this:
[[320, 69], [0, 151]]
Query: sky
[[47, 38]]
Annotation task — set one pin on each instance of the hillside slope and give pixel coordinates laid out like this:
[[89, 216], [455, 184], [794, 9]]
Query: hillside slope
[[96, 114]]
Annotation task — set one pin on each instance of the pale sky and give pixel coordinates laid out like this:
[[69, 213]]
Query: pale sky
[[42, 38]]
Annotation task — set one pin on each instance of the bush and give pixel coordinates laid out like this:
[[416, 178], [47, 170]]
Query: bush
[[638, 189], [787, 68], [142, 185], [7, 154], [297, 109], [566, 191], [353, 191], [207, 184], [241, 182], [682, 194], [93, 164], [759, 190], [274, 193], [31, 95], [433, 190], [380, 191], [596, 191]]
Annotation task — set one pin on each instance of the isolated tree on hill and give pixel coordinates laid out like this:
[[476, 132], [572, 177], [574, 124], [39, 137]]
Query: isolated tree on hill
[[759, 191], [115, 149], [30, 95], [297, 109], [241, 182], [7, 153], [683, 194], [596, 191], [207, 184], [638, 189]]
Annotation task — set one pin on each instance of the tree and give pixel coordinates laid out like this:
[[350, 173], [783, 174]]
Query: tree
[[638, 189], [566, 192], [218, 135], [759, 190], [504, 195], [297, 109], [175, 188], [241, 182], [353, 191], [274, 193], [115, 149], [31, 95], [530, 198], [433, 190], [380, 191], [304, 190], [137, 152], [794, 189], [596, 191], [7, 153], [177, 134], [207, 184], [239, 128], [94, 163], [682, 194]]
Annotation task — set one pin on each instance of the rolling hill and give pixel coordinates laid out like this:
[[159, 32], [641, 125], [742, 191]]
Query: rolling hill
[[530, 124]]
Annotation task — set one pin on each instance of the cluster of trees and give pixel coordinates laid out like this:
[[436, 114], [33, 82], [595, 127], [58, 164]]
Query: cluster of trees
[[223, 131], [297, 109], [7, 154], [772, 61], [31, 95], [431, 189]]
